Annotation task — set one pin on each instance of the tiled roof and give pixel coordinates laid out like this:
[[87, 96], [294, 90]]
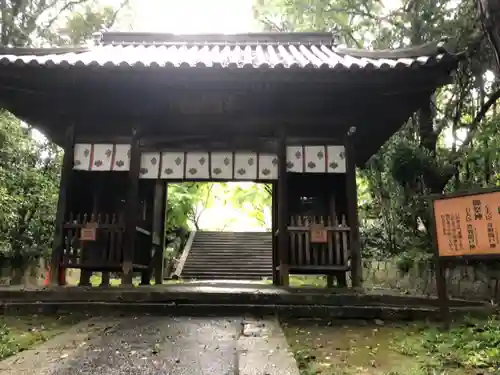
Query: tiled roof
[[287, 50]]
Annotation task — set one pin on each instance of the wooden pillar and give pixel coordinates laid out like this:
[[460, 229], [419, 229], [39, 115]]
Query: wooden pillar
[[283, 249], [159, 208], [91, 249], [131, 210], [352, 214], [56, 271], [274, 228], [340, 276]]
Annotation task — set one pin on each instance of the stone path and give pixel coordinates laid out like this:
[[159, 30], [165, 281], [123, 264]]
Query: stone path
[[161, 345]]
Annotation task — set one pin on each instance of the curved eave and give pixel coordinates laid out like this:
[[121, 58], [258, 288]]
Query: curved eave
[[337, 68], [306, 57]]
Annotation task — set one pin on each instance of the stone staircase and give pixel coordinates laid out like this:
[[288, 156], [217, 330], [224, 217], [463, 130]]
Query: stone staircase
[[229, 256]]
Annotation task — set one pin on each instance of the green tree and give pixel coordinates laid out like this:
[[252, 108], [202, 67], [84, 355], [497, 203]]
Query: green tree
[[29, 173], [253, 200], [29, 168], [38, 22], [420, 158]]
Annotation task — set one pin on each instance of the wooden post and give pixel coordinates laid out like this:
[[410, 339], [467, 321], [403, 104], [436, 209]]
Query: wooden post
[[352, 214], [160, 205], [131, 210], [91, 254], [274, 228], [440, 271], [283, 211], [66, 170]]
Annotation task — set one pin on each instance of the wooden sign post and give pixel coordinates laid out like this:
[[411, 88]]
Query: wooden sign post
[[466, 227]]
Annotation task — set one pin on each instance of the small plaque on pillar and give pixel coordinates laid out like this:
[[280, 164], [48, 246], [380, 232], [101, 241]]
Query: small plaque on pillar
[[88, 233], [318, 234]]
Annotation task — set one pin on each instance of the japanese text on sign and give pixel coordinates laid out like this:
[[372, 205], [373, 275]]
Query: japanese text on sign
[[468, 225]]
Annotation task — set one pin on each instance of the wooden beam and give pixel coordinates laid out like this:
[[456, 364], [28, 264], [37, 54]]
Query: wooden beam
[[352, 215], [185, 253], [131, 210], [66, 171], [283, 249], [159, 208]]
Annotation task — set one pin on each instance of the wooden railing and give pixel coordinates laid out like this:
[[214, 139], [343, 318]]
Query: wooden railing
[[93, 242], [318, 244]]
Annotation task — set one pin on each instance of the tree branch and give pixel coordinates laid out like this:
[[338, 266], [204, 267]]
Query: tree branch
[[273, 26], [66, 7], [477, 120], [112, 19]]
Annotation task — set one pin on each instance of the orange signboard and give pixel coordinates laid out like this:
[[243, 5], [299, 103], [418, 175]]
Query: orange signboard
[[468, 225]]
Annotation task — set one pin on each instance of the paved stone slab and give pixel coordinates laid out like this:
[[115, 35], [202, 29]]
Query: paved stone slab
[[174, 346], [161, 345], [264, 350]]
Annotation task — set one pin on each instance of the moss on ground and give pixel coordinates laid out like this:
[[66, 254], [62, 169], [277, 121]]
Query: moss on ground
[[20, 333], [361, 348]]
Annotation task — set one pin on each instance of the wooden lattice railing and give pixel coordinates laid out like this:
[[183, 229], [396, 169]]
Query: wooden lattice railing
[[318, 244], [93, 242]]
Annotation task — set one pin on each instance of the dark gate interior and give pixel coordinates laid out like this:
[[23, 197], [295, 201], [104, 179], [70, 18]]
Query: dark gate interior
[[98, 200], [318, 200]]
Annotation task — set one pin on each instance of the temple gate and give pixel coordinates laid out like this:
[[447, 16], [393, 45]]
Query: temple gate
[[138, 111]]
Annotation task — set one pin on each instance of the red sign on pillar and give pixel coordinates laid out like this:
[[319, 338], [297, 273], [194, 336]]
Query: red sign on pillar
[[318, 234], [88, 233]]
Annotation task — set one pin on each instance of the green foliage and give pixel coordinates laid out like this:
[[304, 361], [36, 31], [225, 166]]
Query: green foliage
[[29, 181], [408, 163], [82, 24], [253, 200], [182, 198], [38, 22], [18, 334], [473, 344]]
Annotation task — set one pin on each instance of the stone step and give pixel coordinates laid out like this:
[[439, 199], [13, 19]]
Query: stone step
[[228, 261], [219, 255], [234, 244], [233, 247], [225, 276], [241, 263], [199, 260], [248, 235], [224, 268], [232, 269], [213, 254], [231, 234], [235, 254], [227, 239]]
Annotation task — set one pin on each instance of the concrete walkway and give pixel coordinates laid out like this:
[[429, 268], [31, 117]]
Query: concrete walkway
[[156, 345]]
